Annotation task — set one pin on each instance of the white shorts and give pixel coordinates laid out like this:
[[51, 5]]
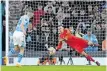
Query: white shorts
[[19, 39]]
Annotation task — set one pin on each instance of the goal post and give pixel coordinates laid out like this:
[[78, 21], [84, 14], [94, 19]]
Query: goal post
[[7, 28], [0, 34]]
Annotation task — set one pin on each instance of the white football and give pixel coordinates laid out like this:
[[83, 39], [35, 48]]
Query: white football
[[52, 51]]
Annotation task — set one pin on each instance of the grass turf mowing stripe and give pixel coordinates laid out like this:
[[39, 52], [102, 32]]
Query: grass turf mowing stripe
[[54, 68]]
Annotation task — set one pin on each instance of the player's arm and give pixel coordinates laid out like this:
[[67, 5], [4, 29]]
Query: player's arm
[[67, 32], [22, 28], [64, 37], [59, 44]]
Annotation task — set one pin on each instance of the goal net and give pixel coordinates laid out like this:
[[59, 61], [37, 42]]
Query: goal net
[[81, 17]]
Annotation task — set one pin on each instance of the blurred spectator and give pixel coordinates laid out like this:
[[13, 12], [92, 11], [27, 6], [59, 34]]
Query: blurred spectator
[[15, 10], [50, 4], [98, 27], [78, 33], [93, 26], [40, 27], [104, 46], [88, 24], [11, 30], [37, 15], [43, 33], [66, 22], [71, 29], [104, 5], [104, 14], [60, 16], [50, 10], [65, 6], [98, 16], [51, 21], [103, 30], [89, 8], [29, 33], [75, 13], [91, 37], [90, 11], [82, 12], [29, 36], [98, 31], [82, 26], [65, 13], [95, 10], [49, 15]]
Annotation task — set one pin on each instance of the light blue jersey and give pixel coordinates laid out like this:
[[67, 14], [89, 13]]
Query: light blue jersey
[[23, 20], [93, 39]]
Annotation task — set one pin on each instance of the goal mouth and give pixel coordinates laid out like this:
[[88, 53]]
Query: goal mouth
[[78, 15]]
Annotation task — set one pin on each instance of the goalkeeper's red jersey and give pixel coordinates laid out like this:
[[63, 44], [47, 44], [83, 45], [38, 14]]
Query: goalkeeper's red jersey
[[74, 42]]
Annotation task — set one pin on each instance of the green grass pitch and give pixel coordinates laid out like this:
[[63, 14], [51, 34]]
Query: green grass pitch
[[54, 68]]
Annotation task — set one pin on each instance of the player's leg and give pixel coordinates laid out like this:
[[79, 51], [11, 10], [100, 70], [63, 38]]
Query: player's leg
[[15, 41], [13, 50], [20, 55], [90, 58], [21, 44]]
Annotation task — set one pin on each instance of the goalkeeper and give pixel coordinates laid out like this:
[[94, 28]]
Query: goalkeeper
[[76, 43]]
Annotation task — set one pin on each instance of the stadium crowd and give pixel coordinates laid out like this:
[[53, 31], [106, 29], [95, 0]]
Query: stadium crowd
[[81, 17]]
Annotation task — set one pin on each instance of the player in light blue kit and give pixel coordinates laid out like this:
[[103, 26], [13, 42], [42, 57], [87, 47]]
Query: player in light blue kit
[[19, 37]]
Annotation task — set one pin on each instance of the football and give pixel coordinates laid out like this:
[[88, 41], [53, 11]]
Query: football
[[52, 50]]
